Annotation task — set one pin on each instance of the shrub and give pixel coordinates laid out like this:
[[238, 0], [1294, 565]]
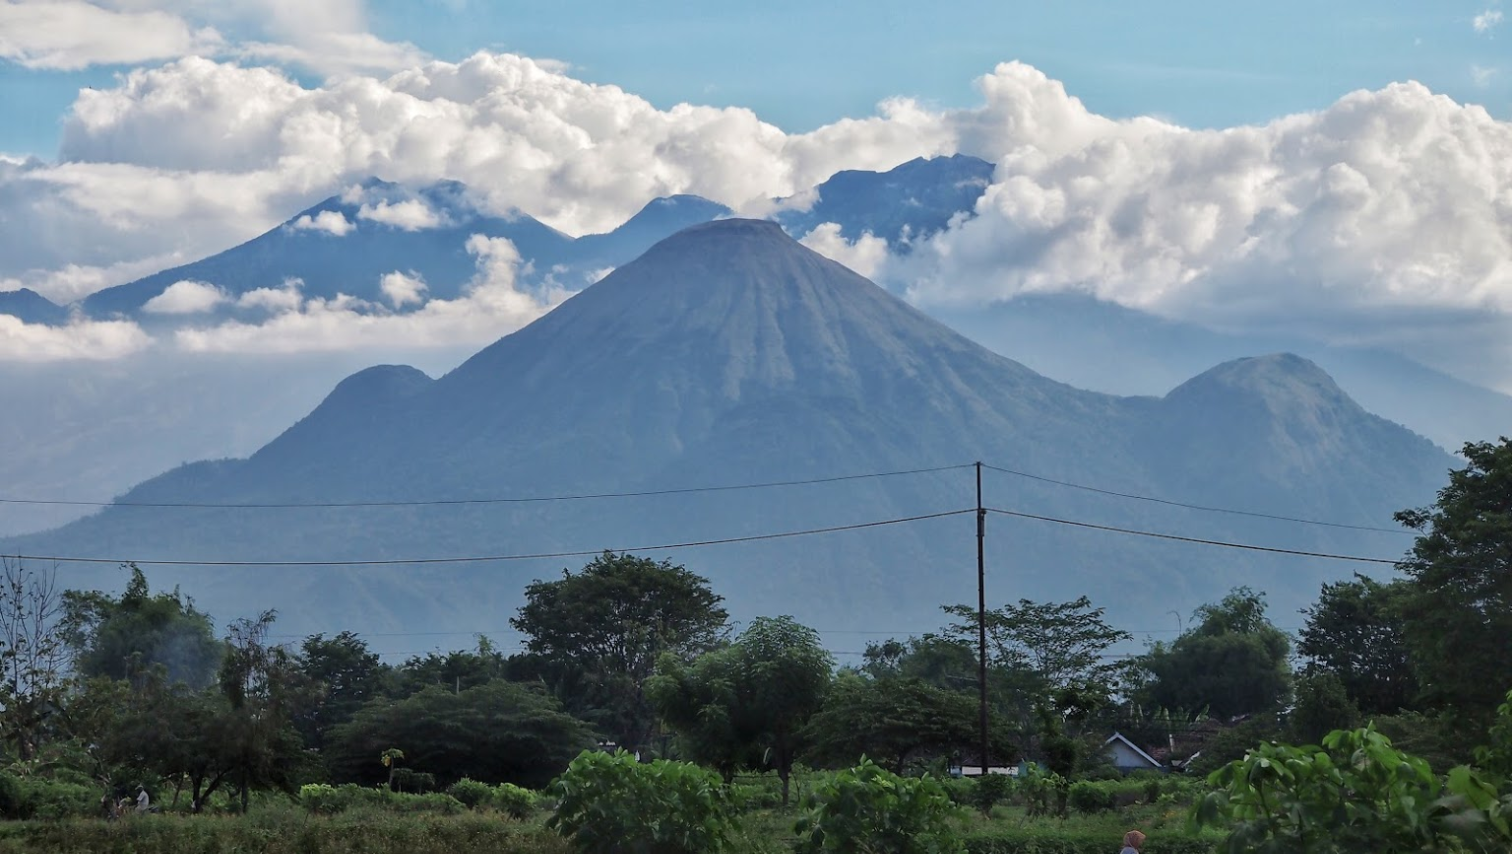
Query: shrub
[[471, 793], [12, 800], [1090, 797], [333, 800], [52, 800], [514, 801], [989, 790], [612, 804], [1039, 839], [869, 809]]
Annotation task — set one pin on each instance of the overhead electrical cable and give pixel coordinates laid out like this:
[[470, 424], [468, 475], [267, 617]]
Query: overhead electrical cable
[[1197, 540], [1202, 507], [586, 496], [486, 558]]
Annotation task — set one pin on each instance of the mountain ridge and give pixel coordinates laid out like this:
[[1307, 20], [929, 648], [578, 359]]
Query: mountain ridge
[[727, 354]]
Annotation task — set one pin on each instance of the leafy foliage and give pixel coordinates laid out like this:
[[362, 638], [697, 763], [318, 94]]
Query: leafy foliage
[[597, 635], [611, 804], [1356, 793], [895, 721], [1459, 609], [1234, 661], [496, 732], [1322, 706], [1354, 632], [124, 637], [747, 701], [869, 809]]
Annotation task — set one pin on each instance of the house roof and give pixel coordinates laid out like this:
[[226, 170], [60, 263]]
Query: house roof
[[1119, 737]]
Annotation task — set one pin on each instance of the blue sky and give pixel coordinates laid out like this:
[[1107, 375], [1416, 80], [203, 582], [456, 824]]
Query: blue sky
[[803, 64]]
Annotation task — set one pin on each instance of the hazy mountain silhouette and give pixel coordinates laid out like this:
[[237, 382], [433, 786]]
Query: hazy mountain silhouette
[[730, 354], [31, 307]]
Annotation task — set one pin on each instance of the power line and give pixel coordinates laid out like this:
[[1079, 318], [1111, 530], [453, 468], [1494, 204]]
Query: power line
[[463, 501], [1198, 540], [1202, 507], [486, 558]]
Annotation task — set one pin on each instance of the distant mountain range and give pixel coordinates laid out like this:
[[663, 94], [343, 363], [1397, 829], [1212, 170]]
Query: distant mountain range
[[730, 354], [91, 430]]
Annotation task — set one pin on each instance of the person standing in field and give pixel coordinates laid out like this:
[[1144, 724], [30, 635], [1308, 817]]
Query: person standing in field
[[1132, 842], [143, 802]]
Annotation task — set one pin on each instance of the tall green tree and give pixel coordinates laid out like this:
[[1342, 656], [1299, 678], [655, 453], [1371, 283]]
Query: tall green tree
[[895, 721], [266, 691], [125, 637], [1055, 644], [597, 635], [1354, 632], [1233, 661], [1458, 614], [752, 699], [498, 732], [346, 675]]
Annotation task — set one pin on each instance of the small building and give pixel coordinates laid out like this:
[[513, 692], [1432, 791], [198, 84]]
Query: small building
[[1128, 756]]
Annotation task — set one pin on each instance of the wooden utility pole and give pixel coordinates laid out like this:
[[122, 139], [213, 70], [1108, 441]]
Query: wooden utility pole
[[981, 515]]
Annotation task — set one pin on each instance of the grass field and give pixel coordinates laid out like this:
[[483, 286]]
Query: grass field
[[289, 829]]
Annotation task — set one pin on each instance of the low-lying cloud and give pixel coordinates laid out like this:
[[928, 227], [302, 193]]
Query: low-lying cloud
[[1348, 224]]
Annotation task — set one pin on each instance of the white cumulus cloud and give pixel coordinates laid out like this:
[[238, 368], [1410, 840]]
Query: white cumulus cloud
[[408, 215], [866, 255], [186, 297], [1487, 21], [401, 289], [330, 222], [492, 305], [71, 34], [80, 339]]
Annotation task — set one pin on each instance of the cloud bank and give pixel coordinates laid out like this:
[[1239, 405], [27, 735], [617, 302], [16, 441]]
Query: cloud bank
[[1385, 217]]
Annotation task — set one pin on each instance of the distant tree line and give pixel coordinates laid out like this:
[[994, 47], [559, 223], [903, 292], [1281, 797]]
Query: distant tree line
[[118, 690]]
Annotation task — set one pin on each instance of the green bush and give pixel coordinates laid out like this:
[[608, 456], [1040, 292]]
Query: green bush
[[1088, 797], [514, 801], [1041, 839], [869, 809], [612, 804], [12, 799], [334, 800], [51, 800], [989, 790], [471, 793]]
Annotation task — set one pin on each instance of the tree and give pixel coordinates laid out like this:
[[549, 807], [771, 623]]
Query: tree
[[1038, 650], [458, 669], [265, 690], [598, 634], [754, 697], [1057, 644], [1355, 632], [32, 653], [895, 721], [498, 732], [348, 676], [123, 638], [1322, 706], [1458, 613], [944, 662], [1233, 662]]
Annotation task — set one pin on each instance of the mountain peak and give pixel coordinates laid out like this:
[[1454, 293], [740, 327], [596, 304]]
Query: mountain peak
[[1280, 380]]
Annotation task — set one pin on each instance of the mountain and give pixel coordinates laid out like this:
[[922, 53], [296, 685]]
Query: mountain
[[1105, 347], [729, 354], [908, 202], [28, 306], [347, 243]]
